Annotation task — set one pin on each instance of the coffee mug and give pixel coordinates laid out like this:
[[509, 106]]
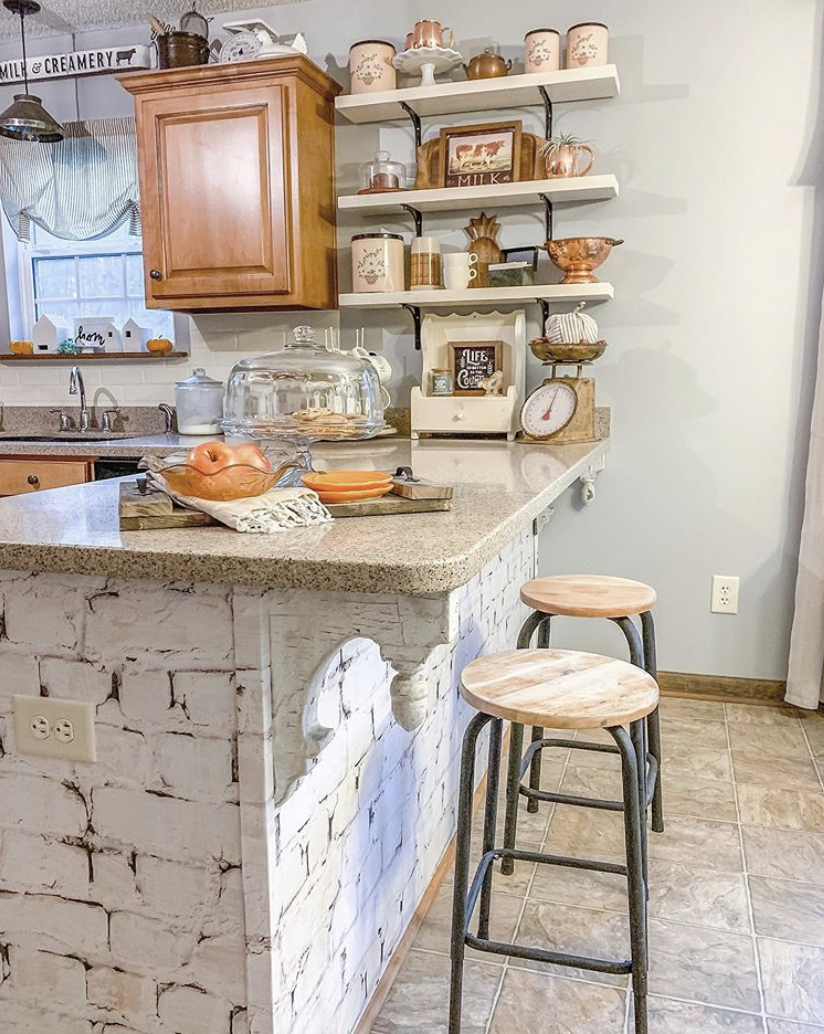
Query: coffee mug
[[430, 33], [459, 270]]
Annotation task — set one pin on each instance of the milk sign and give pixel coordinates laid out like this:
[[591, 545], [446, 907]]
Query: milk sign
[[78, 62]]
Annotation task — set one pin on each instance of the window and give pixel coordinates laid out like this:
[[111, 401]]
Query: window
[[87, 278]]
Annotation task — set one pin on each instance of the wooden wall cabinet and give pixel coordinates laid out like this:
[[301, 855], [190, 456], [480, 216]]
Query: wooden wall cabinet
[[237, 185]]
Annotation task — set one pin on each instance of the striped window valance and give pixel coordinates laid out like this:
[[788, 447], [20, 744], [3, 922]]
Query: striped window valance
[[79, 189]]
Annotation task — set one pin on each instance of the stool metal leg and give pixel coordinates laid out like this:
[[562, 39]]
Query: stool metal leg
[[490, 819], [639, 742], [635, 877], [463, 839], [537, 732], [513, 781], [654, 723]]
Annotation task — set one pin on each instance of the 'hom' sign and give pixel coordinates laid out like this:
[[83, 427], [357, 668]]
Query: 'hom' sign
[[78, 62]]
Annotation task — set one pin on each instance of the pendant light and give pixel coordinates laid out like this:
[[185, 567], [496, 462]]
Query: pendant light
[[26, 118]]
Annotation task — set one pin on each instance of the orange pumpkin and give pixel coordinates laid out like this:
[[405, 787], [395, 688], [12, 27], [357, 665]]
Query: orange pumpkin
[[160, 345], [21, 348]]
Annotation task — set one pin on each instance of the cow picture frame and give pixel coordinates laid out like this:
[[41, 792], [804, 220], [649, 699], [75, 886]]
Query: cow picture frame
[[480, 155], [472, 362]]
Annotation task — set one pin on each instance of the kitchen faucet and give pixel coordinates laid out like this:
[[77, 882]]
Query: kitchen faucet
[[77, 385]]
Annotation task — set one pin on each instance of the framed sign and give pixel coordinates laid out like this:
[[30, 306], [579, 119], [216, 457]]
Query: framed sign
[[78, 62], [475, 155], [472, 362]]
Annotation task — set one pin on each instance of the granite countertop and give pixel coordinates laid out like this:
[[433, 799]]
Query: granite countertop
[[499, 488], [119, 447]]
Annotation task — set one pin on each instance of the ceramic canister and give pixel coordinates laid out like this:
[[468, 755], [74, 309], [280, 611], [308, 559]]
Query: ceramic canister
[[370, 66], [377, 262], [426, 264], [587, 44], [542, 50]]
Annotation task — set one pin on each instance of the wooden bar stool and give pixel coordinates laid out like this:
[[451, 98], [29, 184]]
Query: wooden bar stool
[[583, 596], [566, 690]]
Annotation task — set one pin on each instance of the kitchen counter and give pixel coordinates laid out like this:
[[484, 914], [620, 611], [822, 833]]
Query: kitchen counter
[[499, 488], [114, 447]]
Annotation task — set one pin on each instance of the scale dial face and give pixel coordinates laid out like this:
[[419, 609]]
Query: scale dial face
[[549, 409], [241, 47]]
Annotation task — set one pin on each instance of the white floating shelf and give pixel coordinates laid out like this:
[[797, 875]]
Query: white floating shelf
[[480, 296], [498, 195], [511, 91]]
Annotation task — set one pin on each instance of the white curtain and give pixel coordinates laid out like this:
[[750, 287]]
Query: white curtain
[[79, 189], [805, 678]]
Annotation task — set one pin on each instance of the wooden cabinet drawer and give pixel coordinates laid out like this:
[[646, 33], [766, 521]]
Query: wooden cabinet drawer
[[33, 475]]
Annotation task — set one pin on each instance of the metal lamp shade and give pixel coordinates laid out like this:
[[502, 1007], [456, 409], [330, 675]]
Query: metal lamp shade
[[27, 119]]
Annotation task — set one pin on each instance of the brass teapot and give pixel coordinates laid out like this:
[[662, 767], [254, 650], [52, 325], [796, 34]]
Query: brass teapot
[[488, 65]]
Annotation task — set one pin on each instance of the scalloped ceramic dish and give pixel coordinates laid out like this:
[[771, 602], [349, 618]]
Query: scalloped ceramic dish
[[235, 481], [355, 495], [346, 480]]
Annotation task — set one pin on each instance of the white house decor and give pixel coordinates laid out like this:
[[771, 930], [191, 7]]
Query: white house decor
[[134, 337], [48, 332], [80, 62], [96, 333]]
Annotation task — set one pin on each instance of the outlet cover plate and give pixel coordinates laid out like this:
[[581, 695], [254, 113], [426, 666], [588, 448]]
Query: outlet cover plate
[[724, 594], [29, 710]]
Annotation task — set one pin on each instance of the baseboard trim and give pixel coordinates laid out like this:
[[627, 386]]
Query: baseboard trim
[[381, 992], [722, 687]]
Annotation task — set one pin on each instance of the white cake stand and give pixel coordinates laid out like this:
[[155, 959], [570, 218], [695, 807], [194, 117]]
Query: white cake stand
[[429, 61]]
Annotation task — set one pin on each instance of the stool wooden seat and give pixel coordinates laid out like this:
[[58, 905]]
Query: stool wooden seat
[[562, 689], [588, 596]]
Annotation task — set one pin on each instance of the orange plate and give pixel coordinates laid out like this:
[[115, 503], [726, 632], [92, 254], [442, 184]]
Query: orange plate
[[346, 480], [355, 496]]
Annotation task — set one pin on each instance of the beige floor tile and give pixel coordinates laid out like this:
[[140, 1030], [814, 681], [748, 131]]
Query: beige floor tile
[[814, 731], [782, 809], [520, 878], [683, 762], [679, 707], [793, 981], [542, 1004], [757, 714], [601, 832], [777, 773], [434, 934], [778, 740], [788, 910], [715, 844], [531, 827], [579, 931], [689, 894], [700, 798], [419, 1000], [790, 855], [694, 732], [667, 1016], [710, 966], [592, 781], [580, 886], [789, 1027]]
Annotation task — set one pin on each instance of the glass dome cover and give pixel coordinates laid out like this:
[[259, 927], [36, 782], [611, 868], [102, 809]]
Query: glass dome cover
[[303, 393]]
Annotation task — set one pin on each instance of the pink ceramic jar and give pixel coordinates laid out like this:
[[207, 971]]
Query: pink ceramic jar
[[377, 262], [587, 44], [370, 66], [542, 50]]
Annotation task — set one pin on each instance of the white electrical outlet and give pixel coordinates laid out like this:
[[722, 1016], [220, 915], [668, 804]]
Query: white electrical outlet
[[50, 728], [724, 594]]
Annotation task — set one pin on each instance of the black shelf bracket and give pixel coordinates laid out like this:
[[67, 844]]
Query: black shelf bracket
[[548, 112], [544, 314], [417, 215], [416, 122], [550, 217], [416, 319]]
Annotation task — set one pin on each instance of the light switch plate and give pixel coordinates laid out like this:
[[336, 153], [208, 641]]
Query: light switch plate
[[50, 728]]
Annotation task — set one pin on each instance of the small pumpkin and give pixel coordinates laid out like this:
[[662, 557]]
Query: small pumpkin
[[572, 327], [159, 345], [21, 348]]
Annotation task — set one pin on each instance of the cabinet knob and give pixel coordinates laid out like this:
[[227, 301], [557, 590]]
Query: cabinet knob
[[155, 274], [33, 480]]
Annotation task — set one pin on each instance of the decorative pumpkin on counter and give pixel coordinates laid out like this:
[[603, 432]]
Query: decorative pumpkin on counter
[[159, 345], [21, 347], [572, 327]]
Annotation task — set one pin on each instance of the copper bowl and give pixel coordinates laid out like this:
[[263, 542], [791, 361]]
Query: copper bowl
[[577, 257], [566, 352]]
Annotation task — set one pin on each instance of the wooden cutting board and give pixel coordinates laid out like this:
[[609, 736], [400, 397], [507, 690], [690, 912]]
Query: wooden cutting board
[[143, 511], [388, 506]]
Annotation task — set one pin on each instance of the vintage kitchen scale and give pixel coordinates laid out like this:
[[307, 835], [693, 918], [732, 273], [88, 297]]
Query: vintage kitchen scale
[[561, 411]]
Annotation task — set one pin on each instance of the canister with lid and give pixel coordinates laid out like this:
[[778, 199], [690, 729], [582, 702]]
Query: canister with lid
[[377, 262], [199, 401]]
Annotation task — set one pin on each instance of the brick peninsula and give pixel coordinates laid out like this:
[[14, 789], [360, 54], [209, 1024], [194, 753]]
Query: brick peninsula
[[277, 731]]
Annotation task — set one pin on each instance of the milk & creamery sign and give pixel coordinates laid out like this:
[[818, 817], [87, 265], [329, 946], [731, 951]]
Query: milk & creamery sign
[[78, 62]]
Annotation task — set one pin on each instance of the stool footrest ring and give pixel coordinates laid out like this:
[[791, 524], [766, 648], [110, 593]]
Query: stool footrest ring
[[557, 958]]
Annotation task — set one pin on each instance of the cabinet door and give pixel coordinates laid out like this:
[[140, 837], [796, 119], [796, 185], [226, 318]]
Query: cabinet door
[[214, 183], [21, 475]]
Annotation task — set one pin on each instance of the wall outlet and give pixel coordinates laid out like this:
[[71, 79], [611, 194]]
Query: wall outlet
[[724, 594], [50, 728]]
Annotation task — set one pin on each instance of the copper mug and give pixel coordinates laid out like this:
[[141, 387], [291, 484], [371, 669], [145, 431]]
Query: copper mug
[[429, 33], [563, 161]]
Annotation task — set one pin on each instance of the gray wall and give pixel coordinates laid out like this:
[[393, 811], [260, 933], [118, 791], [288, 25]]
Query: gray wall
[[714, 328]]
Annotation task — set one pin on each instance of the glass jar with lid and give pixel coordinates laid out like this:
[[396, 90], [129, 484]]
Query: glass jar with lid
[[302, 394], [199, 402], [381, 174]]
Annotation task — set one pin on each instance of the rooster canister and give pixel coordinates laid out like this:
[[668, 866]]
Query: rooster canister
[[542, 50], [370, 66], [377, 262], [587, 44]]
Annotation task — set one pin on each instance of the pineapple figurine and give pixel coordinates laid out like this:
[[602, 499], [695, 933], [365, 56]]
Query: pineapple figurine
[[483, 235]]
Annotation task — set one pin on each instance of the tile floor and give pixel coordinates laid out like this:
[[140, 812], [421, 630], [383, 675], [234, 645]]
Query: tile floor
[[736, 894]]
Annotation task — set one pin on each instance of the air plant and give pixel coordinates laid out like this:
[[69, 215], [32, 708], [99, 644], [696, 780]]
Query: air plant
[[555, 143]]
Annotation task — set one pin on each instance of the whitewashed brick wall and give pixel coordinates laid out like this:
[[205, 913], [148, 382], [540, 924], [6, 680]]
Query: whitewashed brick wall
[[154, 891]]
